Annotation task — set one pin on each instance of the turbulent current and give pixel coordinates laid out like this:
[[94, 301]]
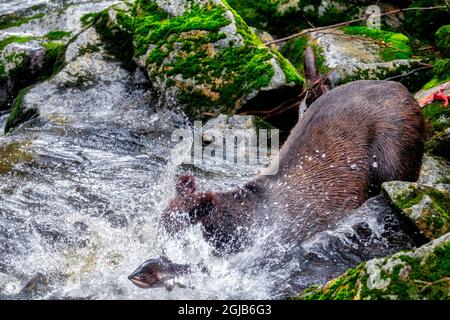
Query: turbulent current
[[83, 184], [80, 205]]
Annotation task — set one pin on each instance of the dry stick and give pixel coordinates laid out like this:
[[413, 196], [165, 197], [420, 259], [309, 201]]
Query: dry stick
[[407, 74], [286, 105], [346, 23], [428, 284]]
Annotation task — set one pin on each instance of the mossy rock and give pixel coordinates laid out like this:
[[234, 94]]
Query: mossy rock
[[422, 274], [443, 40], [200, 54], [428, 207], [440, 74], [22, 65], [19, 114], [359, 53]]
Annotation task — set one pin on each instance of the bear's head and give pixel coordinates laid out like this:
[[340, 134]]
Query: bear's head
[[188, 207], [224, 216]]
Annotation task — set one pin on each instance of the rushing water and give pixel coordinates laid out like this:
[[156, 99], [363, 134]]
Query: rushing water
[[83, 185], [80, 210]]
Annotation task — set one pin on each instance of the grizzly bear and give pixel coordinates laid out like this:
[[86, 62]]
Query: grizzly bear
[[351, 139]]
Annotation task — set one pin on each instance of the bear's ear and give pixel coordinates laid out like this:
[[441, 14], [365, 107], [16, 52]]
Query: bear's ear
[[185, 185]]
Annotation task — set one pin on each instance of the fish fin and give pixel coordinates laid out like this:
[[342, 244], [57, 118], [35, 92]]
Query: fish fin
[[169, 284]]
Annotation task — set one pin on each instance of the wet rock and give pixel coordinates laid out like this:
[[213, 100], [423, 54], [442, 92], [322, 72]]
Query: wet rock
[[428, 207], [438, 122], [33, 39], [24, 60], [374, 230], [281, 17], [201, 55], [90, 74], [421, 274]]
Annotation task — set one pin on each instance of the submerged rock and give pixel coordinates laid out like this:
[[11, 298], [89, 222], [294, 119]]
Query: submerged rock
[[201, 55], [421, 274]]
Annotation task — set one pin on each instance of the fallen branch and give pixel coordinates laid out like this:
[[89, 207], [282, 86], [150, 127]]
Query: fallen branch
[[427, 284], [409, 73], [346, 23]]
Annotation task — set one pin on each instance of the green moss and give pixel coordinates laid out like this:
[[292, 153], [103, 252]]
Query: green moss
[[23, 74], [443, 40], [9, 21], [405, 276], [437, 117], [117, 37], [224, 74], [54, 58], [57, 35], [434, 218], [3, 74], [16, 115], [257, 13], [292, 75], [294, 51], [267, 14], [397, 45], [88, 18], [14, 39], [343, 288], [440, 73], [423, 24]]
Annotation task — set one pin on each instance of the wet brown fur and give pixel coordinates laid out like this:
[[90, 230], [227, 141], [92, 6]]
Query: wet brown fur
[[326, 167]]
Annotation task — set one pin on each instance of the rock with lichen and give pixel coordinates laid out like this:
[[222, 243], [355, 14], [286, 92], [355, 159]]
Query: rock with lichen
[[360, 53], [90, 79], [434, 171], [421, 274], [427, 206], [24, 60], [200, 55]]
